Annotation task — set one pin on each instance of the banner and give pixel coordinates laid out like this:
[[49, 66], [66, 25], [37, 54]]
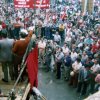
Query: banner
[[23, 3], [44, 5], [32, 67]]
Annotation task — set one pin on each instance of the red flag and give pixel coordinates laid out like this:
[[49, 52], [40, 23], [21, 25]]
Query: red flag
[[23, 3], [44, 5], [32, 67]]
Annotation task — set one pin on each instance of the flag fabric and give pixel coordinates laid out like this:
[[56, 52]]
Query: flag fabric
[[23, 3], [32, 67], [45, 4]]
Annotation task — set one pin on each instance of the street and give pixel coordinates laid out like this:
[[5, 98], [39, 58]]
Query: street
[[54, 89], [49, 86]]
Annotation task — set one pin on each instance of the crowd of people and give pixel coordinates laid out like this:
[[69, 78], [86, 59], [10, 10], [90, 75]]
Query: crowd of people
[[66, 37]]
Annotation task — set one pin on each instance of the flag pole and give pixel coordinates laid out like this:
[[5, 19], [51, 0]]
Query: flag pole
[[23, 65], [26, 92]]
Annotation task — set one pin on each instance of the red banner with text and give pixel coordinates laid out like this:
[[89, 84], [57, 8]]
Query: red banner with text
[[23, 3], [43, 4]]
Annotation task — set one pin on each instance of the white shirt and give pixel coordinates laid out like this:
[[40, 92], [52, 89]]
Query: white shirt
[[84, 57], [74, 56], [68, 39], [95, 68], [69, 32], [80, 44], [57, 37], [59, 56], [65, 50], [0, 27], [41, 44], [76, 66]]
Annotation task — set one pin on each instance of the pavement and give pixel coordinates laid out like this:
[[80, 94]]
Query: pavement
[[54, 89], [6, 87], [49, 86]]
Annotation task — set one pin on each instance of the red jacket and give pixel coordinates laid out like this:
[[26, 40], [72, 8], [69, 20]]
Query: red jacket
[[3, 25], [94, 48], [20, 46]]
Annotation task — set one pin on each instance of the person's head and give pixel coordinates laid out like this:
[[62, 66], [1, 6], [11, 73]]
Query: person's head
[[89, 36], [84, 53], [78, 60], [94, 42], [57, 33], [61, 24], [73, 50], [57, 48], [42, 39], [23, 33], [48, 42], [65, 44], [4, 34], [95, 61], [87, 66], [90, 58], [60, 49], [69, 53]]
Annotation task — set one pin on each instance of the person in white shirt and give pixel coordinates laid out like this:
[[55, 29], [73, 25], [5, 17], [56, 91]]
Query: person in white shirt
[[69, 32], [57, 38], [68, 40], [76, 66], [73, 55], [96, 67], [84, 57], [41, 46], [65, 49], [59, 56]]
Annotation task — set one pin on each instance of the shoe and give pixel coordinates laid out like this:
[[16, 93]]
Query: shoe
[[4, 80]]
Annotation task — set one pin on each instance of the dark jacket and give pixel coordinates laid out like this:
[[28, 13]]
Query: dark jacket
[[84, 76], [68, 61], [6, 49]]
